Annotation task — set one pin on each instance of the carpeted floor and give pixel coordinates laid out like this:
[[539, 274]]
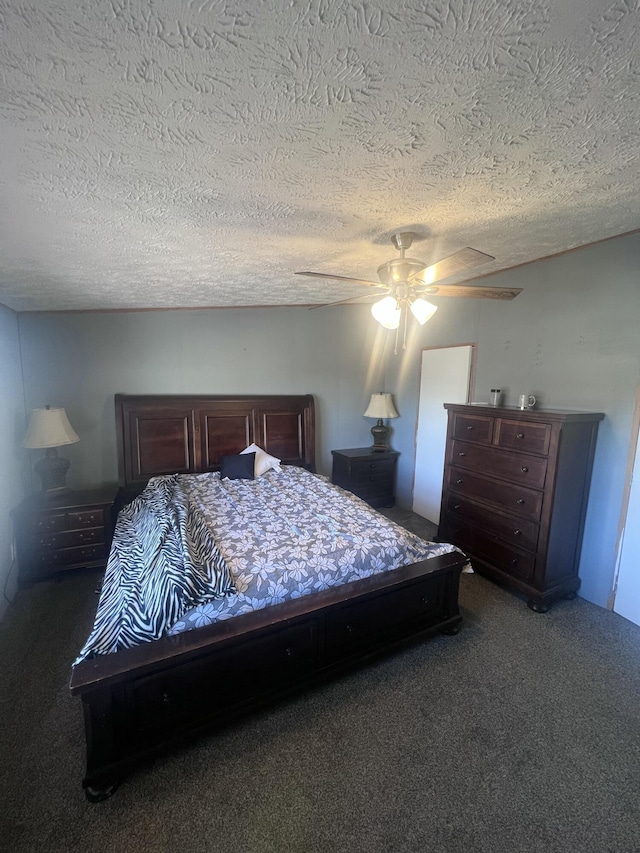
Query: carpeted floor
[[521, 733]]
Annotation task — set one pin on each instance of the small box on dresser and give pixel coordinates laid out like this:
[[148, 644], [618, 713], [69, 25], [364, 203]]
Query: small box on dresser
[[64, 532], [369, 475], [515, 491]]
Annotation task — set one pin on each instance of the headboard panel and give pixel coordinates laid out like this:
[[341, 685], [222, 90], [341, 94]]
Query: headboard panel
[[162, 434]]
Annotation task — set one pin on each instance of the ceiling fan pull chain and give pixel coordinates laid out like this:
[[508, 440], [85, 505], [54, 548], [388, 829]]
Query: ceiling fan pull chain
[[406, 312], [395, 349]]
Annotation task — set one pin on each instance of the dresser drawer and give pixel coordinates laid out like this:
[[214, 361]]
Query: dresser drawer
[[528, 470], [527, 437], [521, 500], [475, 428], [514, 531], [478, 543]]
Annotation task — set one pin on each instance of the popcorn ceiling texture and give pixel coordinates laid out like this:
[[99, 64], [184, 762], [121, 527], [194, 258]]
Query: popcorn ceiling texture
[[182, 154]]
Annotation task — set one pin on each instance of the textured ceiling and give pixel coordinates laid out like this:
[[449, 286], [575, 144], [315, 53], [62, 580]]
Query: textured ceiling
[[174, 153]]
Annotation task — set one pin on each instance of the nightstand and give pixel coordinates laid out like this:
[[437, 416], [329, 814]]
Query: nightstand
[[371, 476], [57, 534]]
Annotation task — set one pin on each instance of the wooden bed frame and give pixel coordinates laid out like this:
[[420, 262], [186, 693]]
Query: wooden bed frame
[[139, 701]]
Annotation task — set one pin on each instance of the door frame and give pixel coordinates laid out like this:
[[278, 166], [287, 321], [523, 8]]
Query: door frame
[[470, 393], [633, 465]]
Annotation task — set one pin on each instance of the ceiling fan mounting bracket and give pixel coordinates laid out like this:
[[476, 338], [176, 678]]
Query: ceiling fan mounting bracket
[[402, 240]]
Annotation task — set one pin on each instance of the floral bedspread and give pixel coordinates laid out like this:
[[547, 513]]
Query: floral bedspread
[[290, 533]]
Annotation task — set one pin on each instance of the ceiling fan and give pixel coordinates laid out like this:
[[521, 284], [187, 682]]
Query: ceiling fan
[[407, 281]]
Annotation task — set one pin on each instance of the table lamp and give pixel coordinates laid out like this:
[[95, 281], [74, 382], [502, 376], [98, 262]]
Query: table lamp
[[50, 428], [380, 406]]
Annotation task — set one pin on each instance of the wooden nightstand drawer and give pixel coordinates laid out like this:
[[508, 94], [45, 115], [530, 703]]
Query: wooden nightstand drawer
[[379, 468], [49, 562], [69, 538], [86, 518], [70, 530]]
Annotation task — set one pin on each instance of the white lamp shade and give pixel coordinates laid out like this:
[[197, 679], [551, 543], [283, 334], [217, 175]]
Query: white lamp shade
[[387, 312], [49, 428], [381, 406], [423, 310]]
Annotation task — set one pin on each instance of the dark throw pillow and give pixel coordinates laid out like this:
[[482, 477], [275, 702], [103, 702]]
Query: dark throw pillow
[[238, 467]]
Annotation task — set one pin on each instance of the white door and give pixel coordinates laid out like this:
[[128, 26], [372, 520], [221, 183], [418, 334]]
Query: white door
[[444, 378], [627, 600]]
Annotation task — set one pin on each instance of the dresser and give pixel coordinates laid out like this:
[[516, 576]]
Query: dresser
[[371, 476], [515, 491], [69, 531]]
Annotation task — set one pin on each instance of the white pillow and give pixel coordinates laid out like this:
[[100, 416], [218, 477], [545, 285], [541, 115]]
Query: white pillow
[[264, 462]]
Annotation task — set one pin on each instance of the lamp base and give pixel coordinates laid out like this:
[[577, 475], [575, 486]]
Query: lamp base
[[52, 470], [380, 434]]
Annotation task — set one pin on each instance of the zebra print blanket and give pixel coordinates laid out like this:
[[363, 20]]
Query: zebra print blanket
[[163, 561]]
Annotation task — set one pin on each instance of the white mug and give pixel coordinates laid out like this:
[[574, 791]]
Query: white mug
[[526, 401]]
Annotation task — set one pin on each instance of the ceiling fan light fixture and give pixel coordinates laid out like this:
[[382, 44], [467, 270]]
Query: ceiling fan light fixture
[[387, 312], [423, 310]]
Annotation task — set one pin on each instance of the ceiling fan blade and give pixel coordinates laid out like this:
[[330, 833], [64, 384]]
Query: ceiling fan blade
[[459, 262], [341, 278], [344, 301], [469, 291]]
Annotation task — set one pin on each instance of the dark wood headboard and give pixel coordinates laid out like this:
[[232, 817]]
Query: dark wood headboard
[[159, 434]]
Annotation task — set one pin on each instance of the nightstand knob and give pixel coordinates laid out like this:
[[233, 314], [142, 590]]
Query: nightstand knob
[[520, 435], [514, 562], [462, 453], [517, 532], [457, 506], [524, 469], [288, 651], [469, 427], [520, 501], [424, 599], [459, 480], [349, 629]]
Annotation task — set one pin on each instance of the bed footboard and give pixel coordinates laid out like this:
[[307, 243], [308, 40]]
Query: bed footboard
[[142, 700]]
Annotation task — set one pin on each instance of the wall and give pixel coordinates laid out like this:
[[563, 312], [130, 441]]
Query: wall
[[572, 338], [80, 361], [12, 460]]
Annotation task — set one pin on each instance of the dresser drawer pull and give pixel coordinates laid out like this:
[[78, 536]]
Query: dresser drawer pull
[[457, 506], [165, 699], [520, 435], [524, 469], [349, 629], [462, 453], [517, 532], [469, 427], [520, 501], [459, 480], [514, 562], [424, 599], [288, 651]]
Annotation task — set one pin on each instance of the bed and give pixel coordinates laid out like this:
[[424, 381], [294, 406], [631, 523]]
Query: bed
[[143, 699]]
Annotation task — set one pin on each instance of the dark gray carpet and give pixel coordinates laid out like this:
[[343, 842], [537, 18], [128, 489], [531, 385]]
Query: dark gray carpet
[[521, 733]]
